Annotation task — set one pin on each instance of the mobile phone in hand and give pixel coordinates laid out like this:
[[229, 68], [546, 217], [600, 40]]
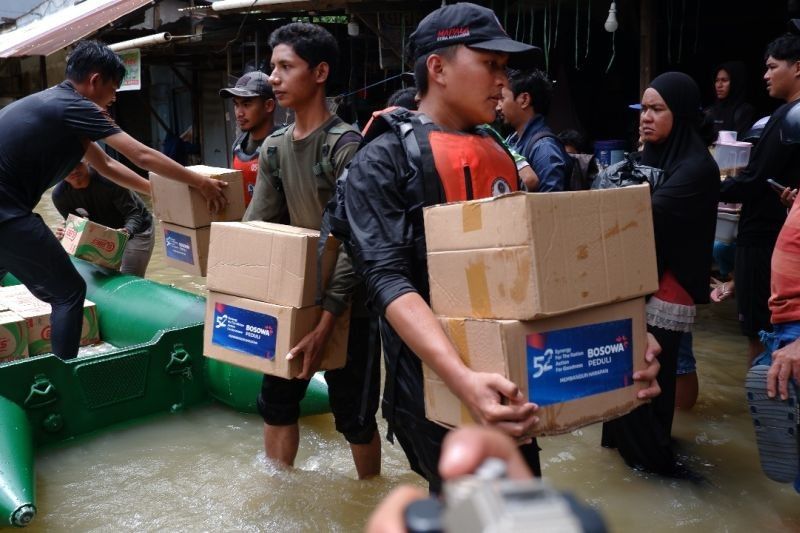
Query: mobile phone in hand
[[777, 187]]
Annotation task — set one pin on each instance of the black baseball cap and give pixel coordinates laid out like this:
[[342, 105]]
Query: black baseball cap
[[471, 25], [251, 84]]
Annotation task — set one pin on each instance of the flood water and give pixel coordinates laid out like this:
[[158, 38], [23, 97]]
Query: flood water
[[204, 470]]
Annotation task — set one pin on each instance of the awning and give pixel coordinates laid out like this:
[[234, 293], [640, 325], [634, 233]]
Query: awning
[[61, 29]]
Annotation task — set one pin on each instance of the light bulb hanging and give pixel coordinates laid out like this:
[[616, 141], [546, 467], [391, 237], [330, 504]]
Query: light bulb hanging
[[352, 27], [611, 24]]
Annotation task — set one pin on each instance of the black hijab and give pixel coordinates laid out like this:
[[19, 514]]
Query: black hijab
[[682, 96], [685, 204]]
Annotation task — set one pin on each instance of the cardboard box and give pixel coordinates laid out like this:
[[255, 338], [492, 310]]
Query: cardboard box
[[180, 204], [525, 256], [268, 262], [578, 368], [258, 335], [93, 242], [37, 317], [13, 336], [186, 248]]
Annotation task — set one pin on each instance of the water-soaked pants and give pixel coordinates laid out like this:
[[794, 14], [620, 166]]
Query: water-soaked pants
[[30, 251], [643, 436]]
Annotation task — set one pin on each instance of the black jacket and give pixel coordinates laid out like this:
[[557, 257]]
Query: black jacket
[[763, 214]]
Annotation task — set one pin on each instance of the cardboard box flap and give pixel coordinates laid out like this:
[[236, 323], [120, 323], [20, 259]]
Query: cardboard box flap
[[512, 219]]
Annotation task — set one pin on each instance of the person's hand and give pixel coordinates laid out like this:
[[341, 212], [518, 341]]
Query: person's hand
[[496, 401], [211, 189], [59, 231], [388, 516], [788, 196], [721, 290], [785, 365], [311, 346], [649, 374], [125, 231], [463, 451]]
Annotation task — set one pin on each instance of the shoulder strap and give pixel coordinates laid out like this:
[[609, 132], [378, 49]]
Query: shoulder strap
[[543, 135], [273, 161], [334, 132]]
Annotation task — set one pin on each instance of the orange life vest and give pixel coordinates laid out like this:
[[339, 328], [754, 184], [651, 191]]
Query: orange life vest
[[248, 165], [458, 166]]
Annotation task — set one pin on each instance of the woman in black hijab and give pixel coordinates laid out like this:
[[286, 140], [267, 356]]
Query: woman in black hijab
[[729, 110], [684, 219]]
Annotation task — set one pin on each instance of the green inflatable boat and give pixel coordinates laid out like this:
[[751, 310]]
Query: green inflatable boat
[[156, 365]]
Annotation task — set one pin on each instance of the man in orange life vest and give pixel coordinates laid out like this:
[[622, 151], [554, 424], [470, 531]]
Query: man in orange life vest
[[254, 106], [461, 53]]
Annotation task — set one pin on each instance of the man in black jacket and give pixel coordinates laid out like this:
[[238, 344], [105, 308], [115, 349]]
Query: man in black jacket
[[461, 53], [763, 214]]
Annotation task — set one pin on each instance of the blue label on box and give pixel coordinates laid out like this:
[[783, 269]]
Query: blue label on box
[[244, 331], [576, 362], [178, 246]]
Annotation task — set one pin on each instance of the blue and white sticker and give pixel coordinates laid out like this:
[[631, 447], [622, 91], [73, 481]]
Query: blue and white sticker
[[178, 246], [244, 331], [577, 362]]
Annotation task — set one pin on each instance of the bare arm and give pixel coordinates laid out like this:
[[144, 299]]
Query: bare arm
[[149, 159], [115, 171], [529, 177], [483, 393]]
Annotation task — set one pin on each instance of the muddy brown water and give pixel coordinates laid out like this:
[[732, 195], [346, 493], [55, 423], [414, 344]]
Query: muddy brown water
[[204, 469]]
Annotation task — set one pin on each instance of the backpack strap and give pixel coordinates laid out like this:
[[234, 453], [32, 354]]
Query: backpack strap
[[273, 161], [544, 134], [335, 132]]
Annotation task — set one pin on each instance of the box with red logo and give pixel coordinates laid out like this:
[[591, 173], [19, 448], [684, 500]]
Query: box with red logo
[[13, 336], [93, 242], [178, 203], [36, 313], [258, 335], [577, 367]]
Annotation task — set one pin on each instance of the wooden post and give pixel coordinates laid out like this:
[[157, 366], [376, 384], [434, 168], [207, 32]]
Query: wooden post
[[647, 38], [43, 71]]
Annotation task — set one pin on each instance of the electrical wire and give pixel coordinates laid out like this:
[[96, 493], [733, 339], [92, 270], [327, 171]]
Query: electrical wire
[[613, 50], [239, 31], [371, 85]]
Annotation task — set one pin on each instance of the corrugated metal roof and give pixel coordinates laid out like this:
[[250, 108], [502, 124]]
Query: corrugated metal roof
[[59, 30]]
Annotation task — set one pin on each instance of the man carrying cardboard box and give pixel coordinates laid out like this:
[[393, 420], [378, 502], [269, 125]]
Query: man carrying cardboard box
[[254, 107], [86, 193], [296, 177], [461, 53], [42, 137]]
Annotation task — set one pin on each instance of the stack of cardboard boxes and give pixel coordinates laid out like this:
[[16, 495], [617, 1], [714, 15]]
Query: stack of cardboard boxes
[[23, 309], [185, 217], [94, 242], [547, 290], [262, 282]]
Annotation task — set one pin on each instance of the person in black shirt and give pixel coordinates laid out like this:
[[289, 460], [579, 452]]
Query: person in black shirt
[[763, 214], [42, 137], [729, 110], [86, 193]]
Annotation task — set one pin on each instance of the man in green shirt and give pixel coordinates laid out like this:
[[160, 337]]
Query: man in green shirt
[[297, 174]]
